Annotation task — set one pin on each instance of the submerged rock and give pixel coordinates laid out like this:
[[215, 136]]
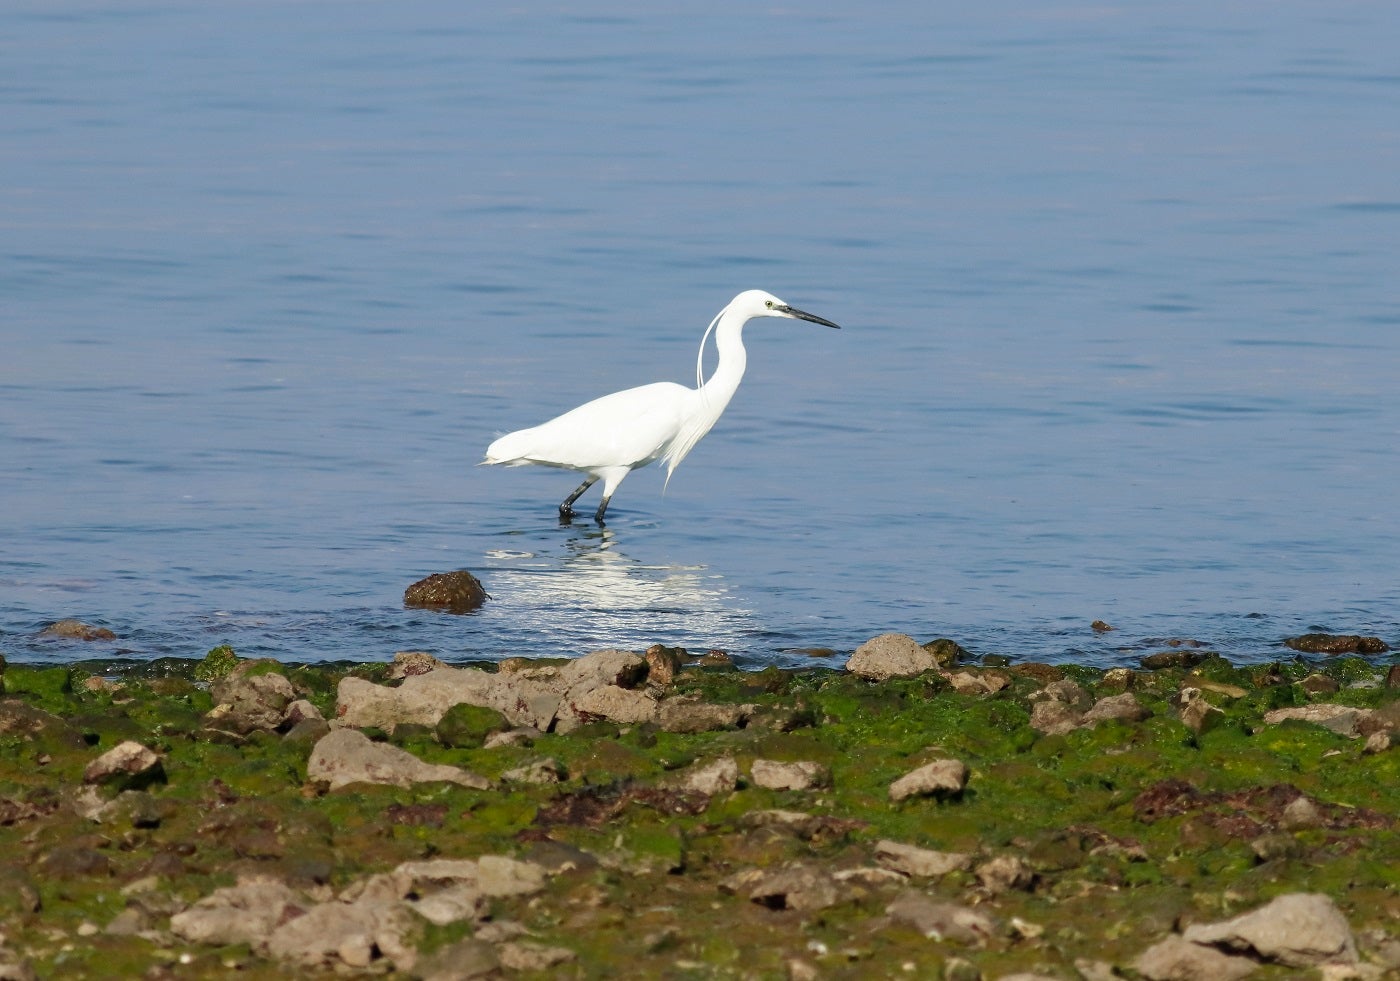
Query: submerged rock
[[76, 630], [1337, 644]]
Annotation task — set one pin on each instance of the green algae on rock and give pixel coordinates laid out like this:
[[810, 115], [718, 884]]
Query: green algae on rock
[[739, 850]]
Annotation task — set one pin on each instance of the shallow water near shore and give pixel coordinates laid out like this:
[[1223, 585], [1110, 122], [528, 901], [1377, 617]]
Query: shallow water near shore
[[1116, 286]]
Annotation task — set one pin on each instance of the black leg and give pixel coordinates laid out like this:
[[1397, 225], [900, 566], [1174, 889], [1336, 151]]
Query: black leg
[[603, 507], [566, 510]]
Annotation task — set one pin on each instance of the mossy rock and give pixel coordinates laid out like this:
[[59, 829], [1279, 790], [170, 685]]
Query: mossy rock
[[467, 726]]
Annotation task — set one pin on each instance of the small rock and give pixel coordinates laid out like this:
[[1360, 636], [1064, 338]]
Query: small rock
[[891, 656], [1341, 719], [663, 664], [796, 886], [1320, 684], [1171, 659], [940, 920], [248, 704], [1176, 959], [1196, 713], [461, 961], [978, 682], [1004, 873], [922, 862], [944, 778], [453, 592], [802, 775], [522, 736], [524, 955], [1378, 742], [241, 914], [498, 875], [611, 702], [1124, 707], [408, 663], [1300, 813], [543, 771], [451, 905], [685, 715], [716, 659], [946, 652], [719, 776], [1297, 929], [1123, 678], [1055, 718], [466, 726], [1100, 627], [347, 756], [1337, 644], [128, 766]]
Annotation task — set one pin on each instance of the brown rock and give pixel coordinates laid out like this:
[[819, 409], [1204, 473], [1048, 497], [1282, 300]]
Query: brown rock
[[76, 630], [1055, 718], [663, 664], [454, 592], [796, 886]]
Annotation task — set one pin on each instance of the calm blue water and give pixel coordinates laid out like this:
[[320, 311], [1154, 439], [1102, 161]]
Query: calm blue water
[[1118, 284]]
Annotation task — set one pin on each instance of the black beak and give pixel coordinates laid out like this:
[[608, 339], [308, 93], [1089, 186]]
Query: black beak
[[804, 315]]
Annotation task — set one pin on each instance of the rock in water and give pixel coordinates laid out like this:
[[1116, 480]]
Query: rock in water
[[455, 592], [891, 656]]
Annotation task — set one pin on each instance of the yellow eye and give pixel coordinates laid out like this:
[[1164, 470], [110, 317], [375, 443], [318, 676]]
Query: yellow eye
[[768, 304]]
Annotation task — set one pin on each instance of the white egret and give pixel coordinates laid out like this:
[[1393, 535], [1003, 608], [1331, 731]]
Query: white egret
[[611, 436]]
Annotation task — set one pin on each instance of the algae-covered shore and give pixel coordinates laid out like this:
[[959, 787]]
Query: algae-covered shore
[[652, 815]]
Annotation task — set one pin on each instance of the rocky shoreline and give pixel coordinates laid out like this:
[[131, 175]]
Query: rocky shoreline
[[658, 815]]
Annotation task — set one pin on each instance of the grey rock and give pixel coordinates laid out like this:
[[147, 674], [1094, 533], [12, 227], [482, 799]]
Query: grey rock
[[245, 913], [941, 920], [800, 775], [719, 776], [498, 875], [687, 715], [353, 934], [1197, 713], [1177, 959], [891, 656], [795, 886], [247, 704], [1342, 719], [922, 862], [128, 765], [543, 771], [1004, 873], [1124, 707], [461, 961], [1055, 718], [1297, 929], [347, 756], [941, 778], [611, 702], [525, 955]]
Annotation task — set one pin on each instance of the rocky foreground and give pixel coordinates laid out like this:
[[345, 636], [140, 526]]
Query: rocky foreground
[[654, 815]]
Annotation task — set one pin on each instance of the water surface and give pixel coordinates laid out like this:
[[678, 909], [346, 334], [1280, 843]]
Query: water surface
[[1117, 287]]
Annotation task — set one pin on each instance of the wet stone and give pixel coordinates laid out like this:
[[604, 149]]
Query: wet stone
[[453, 592]]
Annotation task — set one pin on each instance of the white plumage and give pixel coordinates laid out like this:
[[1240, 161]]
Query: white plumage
[[611, 436]]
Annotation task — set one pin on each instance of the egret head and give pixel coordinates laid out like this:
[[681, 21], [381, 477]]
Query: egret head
[[758, 303]]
